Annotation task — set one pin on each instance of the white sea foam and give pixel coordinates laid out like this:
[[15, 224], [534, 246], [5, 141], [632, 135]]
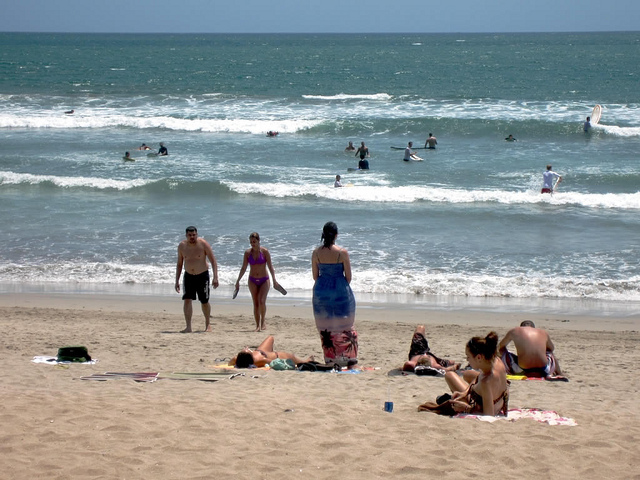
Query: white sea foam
[[372, 281], [410, 194], [619, 131], [12, 178], [344, 96], [217, 113], [249, 125]]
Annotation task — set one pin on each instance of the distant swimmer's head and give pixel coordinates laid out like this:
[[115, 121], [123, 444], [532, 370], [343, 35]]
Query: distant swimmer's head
[[410, 144], [191, 229], [588, 119], [528, 323], [162, 144], [329, 234], [338, 177], [548, 167]]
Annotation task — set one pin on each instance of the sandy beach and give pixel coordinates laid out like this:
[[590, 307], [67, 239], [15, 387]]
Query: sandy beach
[[273, 424]]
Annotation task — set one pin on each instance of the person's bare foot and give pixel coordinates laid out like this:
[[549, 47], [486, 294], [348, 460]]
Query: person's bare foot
[[257, 329], [208, 329], [263, 327], [186, 330]]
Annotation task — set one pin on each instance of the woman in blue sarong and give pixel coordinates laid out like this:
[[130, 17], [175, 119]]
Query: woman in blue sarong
[[334, 307]]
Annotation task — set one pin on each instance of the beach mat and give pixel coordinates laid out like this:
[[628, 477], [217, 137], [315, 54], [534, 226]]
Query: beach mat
[[135, 376], [201, 376]]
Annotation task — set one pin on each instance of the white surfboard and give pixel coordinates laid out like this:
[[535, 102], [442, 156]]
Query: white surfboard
[[595, 114]]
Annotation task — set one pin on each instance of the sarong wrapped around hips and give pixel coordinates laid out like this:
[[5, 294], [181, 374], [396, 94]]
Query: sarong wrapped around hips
[[334, 310]]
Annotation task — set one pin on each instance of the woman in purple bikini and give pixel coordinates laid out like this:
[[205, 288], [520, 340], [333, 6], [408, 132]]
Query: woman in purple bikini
[[259, 284]]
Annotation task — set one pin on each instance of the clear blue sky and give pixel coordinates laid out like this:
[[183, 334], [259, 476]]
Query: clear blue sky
[[328, 16]]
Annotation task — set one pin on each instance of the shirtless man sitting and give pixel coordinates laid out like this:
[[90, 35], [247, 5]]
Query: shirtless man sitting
[[534, 348], [193, 253], [264, 355], [420, 354]]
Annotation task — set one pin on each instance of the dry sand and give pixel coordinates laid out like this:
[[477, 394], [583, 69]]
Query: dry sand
[[270, 424]]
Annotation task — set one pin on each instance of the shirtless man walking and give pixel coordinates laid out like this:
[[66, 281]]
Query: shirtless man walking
[[193, 253], [535, 356]]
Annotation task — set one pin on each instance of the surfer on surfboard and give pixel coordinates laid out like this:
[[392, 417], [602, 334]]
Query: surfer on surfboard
[[548, 178], [410, 154]]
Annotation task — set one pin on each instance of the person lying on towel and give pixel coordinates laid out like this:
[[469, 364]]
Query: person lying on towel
[[534, 349], [420, 354], [263, 355]]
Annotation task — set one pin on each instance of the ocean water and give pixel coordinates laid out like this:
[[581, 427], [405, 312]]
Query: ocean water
[[467, 223]]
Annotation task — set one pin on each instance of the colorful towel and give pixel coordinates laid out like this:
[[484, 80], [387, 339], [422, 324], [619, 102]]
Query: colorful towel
[[550, 378], [232, 368], [542, 416]]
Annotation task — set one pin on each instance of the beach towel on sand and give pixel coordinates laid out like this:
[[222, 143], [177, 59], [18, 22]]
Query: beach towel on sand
[[550, 378], [54, 360], [543, 416]]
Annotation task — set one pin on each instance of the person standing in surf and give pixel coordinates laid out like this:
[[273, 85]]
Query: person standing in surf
[[193, 253], [258, 259], [587, 125], [362, 151], [548, 178], [431, 142]]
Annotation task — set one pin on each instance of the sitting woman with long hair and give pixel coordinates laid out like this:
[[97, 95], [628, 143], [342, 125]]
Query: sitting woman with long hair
[[485, 392]]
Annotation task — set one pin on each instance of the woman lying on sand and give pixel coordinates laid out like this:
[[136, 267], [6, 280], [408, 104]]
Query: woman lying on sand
[[486, 394], [264, 355], [420, 354]]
